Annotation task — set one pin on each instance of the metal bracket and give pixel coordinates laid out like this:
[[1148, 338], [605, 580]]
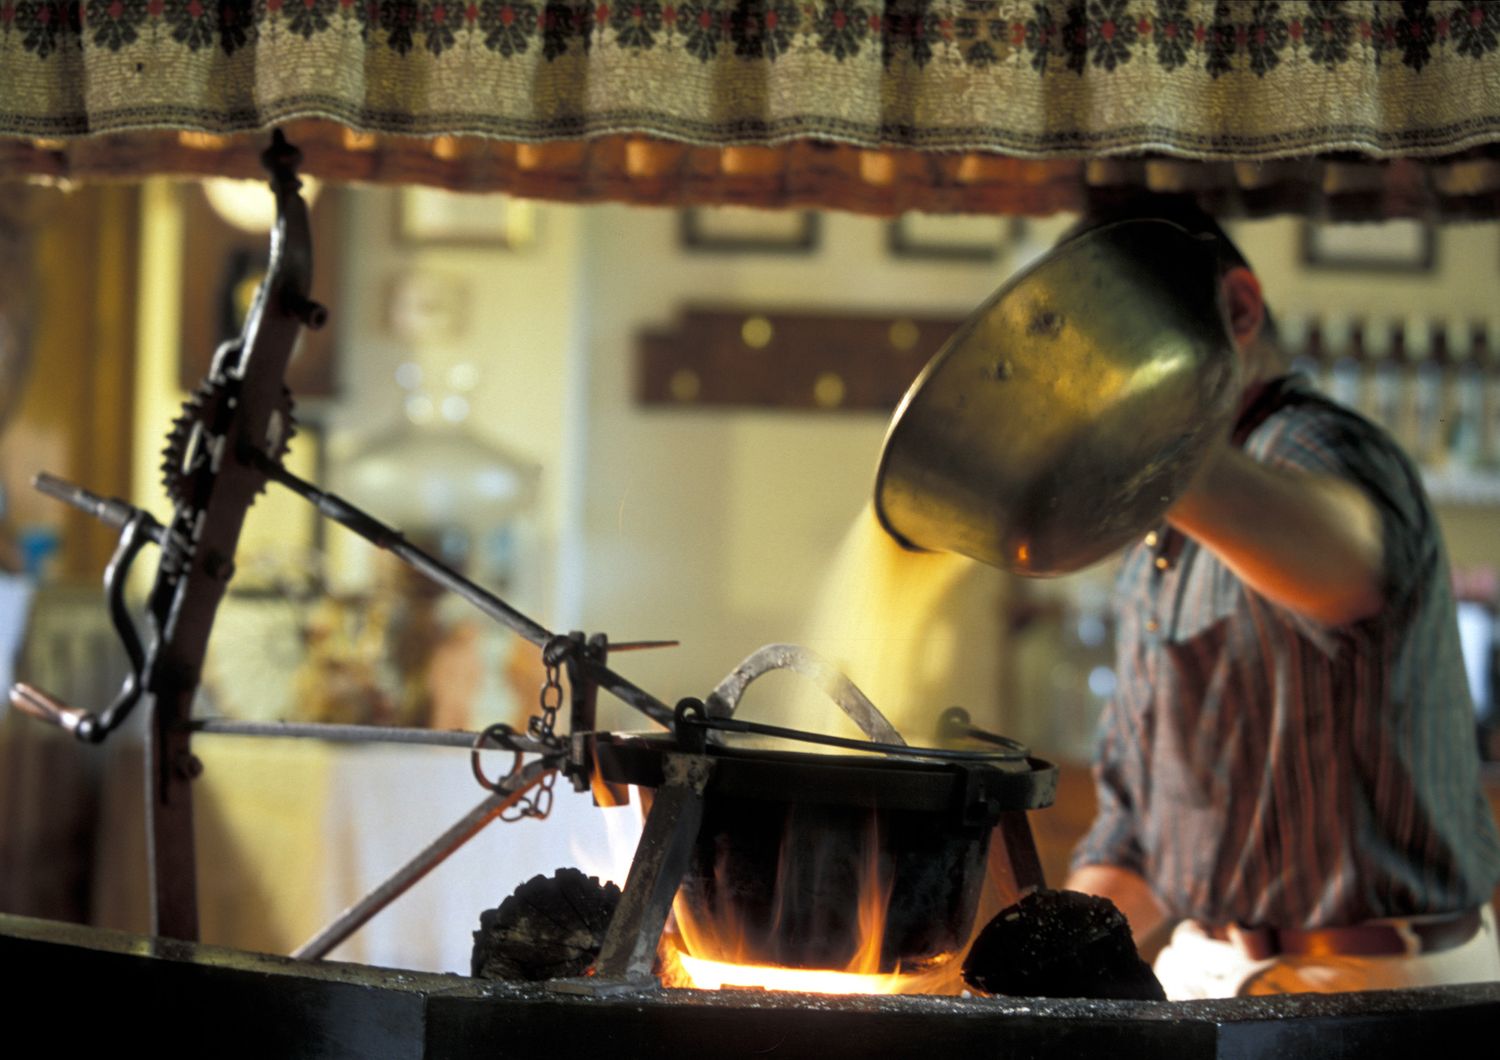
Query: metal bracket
[[583, 704]]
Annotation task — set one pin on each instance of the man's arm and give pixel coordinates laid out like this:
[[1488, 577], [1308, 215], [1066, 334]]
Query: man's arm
[[1128, 890], [1309, 542]]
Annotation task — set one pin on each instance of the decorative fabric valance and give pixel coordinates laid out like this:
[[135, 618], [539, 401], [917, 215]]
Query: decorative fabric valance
[[1008, 81]]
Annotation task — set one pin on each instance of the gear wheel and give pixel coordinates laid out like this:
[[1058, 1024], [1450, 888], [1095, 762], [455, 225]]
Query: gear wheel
[[190, 456]]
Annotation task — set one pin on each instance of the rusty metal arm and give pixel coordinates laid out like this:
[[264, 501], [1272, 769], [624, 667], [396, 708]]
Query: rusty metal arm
[[510, 791]]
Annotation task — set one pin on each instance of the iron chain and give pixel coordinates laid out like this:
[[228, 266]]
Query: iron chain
[[541, 727]]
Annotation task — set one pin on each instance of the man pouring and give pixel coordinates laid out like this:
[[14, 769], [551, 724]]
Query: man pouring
[[1288, 767]]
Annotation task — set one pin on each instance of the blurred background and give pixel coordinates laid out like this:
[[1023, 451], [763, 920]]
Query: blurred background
[[645, 421]]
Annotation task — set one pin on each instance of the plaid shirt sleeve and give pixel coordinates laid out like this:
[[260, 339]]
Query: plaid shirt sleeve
[[1113, 838], [1349, 448]]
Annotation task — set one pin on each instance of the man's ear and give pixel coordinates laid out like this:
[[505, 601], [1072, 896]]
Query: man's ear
[[1244, 305]]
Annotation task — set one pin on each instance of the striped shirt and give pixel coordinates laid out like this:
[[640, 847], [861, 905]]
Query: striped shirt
[[1259, 768]]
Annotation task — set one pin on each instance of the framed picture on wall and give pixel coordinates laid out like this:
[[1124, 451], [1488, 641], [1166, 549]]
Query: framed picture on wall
[[1398, 245], [432, 216], [952, 237], [744, 229]]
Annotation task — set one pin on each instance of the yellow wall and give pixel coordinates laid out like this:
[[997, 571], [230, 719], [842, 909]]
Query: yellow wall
[[72, 417], [1462, 285]]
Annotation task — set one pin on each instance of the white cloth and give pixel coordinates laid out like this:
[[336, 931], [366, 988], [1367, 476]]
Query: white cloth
[[1193, 965], [386, 804], [15, 606], [291, 833]]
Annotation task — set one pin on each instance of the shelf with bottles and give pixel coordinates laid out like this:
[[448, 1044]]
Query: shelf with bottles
[[1433, 384]]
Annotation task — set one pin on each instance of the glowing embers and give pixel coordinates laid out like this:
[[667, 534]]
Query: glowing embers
[[684, 970]]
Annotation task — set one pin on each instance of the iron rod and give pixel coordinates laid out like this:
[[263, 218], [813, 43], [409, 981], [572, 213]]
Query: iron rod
[[828, 740], [390, 539], [356, 734], [361, 912]]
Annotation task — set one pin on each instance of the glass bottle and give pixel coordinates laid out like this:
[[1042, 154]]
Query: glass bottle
[[1301, 338], [1385, 366], [1483, 355], [1424, 349], [1345, 370], [1465, 442]]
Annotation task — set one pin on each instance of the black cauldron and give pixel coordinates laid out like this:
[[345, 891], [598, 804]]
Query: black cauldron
[[788, 839]]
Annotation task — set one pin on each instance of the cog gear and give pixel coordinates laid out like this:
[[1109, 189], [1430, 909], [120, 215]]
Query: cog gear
[[195, 442]]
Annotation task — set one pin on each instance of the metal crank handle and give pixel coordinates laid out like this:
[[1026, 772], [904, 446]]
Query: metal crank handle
[[53, 711], [137, 527]]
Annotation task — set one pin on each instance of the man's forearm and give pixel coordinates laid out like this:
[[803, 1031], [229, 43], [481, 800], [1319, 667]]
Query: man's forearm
[[1309, 542]]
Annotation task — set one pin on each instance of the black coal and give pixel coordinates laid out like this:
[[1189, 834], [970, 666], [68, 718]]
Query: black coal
[[551, 928], [1060, 944]]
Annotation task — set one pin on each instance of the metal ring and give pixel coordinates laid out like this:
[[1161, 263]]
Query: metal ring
[[503, 736], [691, 724]]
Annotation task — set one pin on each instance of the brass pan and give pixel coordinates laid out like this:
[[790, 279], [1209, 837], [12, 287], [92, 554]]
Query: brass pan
[[1069, 411]]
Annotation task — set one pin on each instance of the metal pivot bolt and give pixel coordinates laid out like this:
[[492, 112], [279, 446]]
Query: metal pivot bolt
[[188, 766]]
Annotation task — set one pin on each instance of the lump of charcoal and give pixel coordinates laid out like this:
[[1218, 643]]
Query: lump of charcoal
[[1060, 944], [550, 928]]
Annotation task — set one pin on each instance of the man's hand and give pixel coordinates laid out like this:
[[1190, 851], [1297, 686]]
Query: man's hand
[[1130, 893], [1311, 543]]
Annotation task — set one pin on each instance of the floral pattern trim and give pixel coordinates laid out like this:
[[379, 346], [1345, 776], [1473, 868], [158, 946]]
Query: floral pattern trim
[[1051, 37]]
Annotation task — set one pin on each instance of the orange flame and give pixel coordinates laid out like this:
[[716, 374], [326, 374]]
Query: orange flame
[[715, 954]]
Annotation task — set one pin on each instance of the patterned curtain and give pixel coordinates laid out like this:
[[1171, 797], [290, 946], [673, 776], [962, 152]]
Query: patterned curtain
[[661, 101]]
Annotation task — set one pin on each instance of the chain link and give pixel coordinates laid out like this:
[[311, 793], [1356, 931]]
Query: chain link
[[541, 727]]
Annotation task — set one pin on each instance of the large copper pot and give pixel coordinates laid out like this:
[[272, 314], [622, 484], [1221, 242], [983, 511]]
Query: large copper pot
[[1069, 412]]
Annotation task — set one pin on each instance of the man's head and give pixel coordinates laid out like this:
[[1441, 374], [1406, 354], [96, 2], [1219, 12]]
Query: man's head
[[1240, 298]]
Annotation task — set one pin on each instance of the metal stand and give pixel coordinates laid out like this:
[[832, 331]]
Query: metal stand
[[661, 860]]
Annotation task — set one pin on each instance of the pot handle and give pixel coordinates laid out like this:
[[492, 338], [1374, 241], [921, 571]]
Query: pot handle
[[723, 700]]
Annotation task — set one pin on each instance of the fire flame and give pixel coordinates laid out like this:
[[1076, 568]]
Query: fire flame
[[715, 955]]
